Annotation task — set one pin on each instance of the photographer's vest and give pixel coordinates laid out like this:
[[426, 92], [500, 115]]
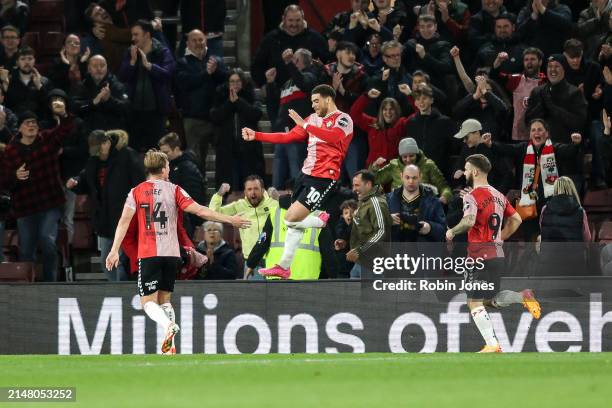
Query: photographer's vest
[[307, 261]]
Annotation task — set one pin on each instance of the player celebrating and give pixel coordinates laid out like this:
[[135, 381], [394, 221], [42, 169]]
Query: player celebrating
[[484, 211], [329, 133], [156, 203]]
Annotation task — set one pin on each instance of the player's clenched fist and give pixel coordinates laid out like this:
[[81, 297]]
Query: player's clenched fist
[[248, 134]]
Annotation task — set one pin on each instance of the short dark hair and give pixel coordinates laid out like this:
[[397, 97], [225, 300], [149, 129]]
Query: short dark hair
[[25, 50], [366, 175], [573, 47], [172, 139], [479, 161], [12, 28], [89, 10], [352, 204], [145, 25], [255, 177], [534, 51], [422, 73], [542, 121], [506, 16], [422, 90], [427, 18], [324, 90], [347, 46]]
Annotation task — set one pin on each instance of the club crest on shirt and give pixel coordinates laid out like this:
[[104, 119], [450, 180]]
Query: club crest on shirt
[[328, 125]]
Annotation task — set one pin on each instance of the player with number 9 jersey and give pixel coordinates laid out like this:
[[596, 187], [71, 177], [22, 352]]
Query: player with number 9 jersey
[[490, 208]]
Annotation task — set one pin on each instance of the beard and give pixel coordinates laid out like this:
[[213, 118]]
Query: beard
[[469, 179]]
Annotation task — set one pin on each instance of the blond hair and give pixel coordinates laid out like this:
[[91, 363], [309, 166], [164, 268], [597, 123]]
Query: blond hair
[[565, 186], [155, 161]]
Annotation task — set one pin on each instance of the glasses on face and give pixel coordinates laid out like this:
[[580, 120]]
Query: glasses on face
[[73, 43], [10, 37], [392, 55], [213, 231]]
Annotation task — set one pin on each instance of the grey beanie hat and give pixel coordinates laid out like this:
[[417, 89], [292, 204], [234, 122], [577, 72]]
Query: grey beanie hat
[[408, 146]]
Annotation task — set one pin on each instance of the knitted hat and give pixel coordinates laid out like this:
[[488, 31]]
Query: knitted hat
[[27, 115], [408, 146]]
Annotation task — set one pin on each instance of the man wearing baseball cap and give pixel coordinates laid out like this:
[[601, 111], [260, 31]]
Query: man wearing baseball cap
[[31, 171]]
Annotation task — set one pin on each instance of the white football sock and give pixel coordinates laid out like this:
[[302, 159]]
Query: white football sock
[[483, 322], [169, 310], [506, 298], [292, 240], [157, 314], [312, 221]]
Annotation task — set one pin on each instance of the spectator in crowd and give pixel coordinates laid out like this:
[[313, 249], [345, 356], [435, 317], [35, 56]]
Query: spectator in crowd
[[73, 157], [470, 133], [15, 13], [235, 107], [68, 71], [11, 38], [386, 129], [105, 38], [101, 99], [222, 264], [371, 56], [112, 170], [199, 74], [308, 256], [592, 25], [147, 69], [294, 94], [520, 85], [485, 106], [256, 206], [184, 172], [340, 22], [432, 131], [207, 16], [538, 163], [452, 18], [388, 16], [421, 77], [558, 102], [32, 175], [27, 88], [343, 237], [563, 224], [371, 221], [126, 13], [505, 39], [392, 76], [417, 213], [346, 76], [429, 53], [482, 24], [8, 123], [362, 25], [291, 35], [410, 154], [545, 24]]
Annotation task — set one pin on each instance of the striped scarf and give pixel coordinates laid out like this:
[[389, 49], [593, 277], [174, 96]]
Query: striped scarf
[[548, 173]]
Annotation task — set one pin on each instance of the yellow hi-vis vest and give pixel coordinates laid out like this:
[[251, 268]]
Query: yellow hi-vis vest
[[307, 261]]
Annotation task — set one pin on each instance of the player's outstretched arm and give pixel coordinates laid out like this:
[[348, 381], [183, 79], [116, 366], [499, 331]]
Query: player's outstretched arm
[[297, 134], [112, 260], [510, 226], [208, 214], [464, 225]]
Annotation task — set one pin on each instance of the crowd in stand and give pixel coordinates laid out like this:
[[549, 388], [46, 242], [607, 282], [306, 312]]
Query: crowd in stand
[[528, 84]]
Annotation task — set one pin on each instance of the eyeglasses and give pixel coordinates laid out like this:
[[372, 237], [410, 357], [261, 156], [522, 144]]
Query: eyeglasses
[[74, 43], [212, 230], [392, 55]]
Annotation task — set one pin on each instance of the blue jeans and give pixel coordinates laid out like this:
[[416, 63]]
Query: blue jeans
[[355, 156], [288, 161], [596, 134], [40, 229], [1, 240], [117, 274], [356, 272]]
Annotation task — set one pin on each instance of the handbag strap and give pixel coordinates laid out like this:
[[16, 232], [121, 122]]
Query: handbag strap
[[536, 177]]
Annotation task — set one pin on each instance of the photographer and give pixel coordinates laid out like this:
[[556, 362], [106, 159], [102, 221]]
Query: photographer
[[417, 213]]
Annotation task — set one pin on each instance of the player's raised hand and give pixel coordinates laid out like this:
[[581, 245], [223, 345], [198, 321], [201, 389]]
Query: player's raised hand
[[112, 260], [239, 222], [248, 134], [296, 117], [450, 235]]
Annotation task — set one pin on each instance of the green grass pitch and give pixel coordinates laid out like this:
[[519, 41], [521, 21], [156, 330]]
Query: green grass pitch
[[342, 380]]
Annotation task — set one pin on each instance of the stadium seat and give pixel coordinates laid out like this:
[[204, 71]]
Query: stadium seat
[[10, 245], [31, 39], [17, 272], [83, 234], [598, 201], [53, 43], [46, 14], [82, 207]]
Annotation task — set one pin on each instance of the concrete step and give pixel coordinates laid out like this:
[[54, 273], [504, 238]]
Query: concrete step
[[230, 60], [231, 15], [264, 126], [230, 32]]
